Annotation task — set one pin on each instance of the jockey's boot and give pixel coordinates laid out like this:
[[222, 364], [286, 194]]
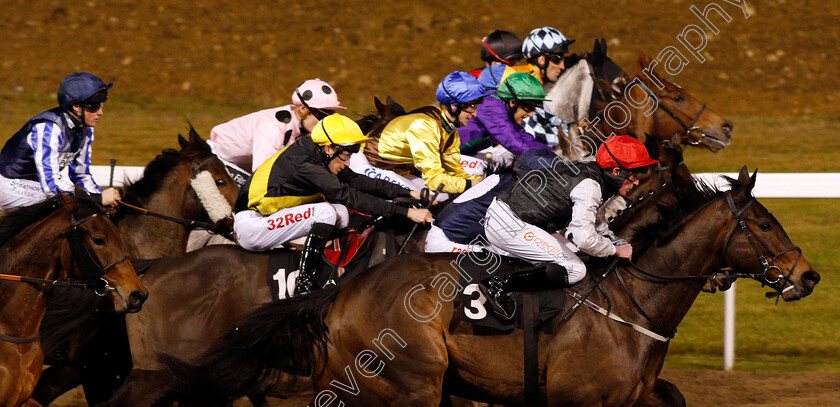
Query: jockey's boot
[[310, 258], [498, 289]]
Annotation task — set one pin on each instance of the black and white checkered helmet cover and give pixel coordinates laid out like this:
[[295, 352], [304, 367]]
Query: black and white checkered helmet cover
[[544, 40]]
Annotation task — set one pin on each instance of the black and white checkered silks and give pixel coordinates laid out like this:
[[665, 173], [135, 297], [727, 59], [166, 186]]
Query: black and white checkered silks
[[544, 125]]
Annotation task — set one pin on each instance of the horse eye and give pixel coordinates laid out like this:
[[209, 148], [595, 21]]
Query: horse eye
[[765, 227], [678, 98], [99, 241], [220, 183]]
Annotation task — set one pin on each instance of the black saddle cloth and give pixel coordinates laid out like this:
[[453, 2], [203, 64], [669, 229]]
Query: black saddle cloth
[[473, 307]]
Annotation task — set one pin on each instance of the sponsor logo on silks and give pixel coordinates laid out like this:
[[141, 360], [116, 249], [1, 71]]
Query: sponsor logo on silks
[[372, 173], [288, 219], [552, 247], [469, 164]]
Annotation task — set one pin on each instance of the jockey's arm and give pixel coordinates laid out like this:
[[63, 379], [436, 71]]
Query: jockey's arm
[[334, 190], [586, 198]]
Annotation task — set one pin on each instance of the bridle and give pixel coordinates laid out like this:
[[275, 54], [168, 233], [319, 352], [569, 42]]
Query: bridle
[[688, 128], [213, 227], [89, 266], [766, 276]]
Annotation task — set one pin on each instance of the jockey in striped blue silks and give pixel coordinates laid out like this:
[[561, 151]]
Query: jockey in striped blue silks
[[32, 161]]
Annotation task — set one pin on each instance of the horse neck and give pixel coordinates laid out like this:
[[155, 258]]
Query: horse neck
[[24, 304], [695, 250], [148, 237]]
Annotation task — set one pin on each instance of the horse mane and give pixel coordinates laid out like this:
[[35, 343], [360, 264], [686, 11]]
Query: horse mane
[[18, 219], [689, 197], [156, 171]]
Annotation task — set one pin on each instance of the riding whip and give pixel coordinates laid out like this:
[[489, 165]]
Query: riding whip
[[405, 243], [113, 164]]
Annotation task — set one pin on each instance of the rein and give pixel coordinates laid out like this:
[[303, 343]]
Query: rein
[[87, 264], [186, 223], [661, 279]]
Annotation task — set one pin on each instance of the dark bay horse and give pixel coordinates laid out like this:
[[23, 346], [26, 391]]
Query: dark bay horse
[[390, 336], [97, 350], [59, 238], [199, 296]]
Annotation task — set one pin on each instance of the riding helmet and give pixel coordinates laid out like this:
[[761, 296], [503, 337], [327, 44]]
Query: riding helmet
[[459, 87], [82, 87], [521, 86], [501, 46], [337, 130], [315, 93], [545, 40]]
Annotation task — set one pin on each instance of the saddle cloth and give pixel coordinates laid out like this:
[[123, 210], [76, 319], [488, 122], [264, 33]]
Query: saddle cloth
[[347, 251], [472, 306]]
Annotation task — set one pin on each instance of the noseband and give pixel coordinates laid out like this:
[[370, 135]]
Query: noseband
[[688, 128], [88, 264], [752, 238]]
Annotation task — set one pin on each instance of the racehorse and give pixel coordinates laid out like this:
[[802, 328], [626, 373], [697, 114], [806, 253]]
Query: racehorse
[[44, 243], [199, 296], [651, 106], [575, 94], [391, 336], [97, 349]]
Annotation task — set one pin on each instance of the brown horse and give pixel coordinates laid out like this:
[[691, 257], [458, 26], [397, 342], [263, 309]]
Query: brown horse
[[391, 336], [199, 296], [650, 106], [59, 238], [98, 357]]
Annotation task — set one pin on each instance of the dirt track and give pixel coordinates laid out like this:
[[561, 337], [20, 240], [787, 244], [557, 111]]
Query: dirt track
[[700, 388]]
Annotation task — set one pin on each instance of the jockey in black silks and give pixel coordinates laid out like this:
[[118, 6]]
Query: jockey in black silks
[[282, 200], [521, 221]]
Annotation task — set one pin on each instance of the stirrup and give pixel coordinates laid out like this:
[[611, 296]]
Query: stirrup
[[495, 304]]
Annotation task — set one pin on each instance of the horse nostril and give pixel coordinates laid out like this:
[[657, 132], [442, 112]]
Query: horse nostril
[[136, 299], [810, 279], [727, 126]]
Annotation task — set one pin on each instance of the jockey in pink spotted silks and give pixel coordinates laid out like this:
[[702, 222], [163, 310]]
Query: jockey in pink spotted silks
[[246, 142]]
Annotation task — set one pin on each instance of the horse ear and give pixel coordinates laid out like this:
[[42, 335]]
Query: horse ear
[[183, 142], [744, 176], [66, 200], [603, 46], [194, 137], [81, 194], [378, 104]]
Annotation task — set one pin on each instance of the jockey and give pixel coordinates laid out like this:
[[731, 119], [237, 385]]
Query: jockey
[[499, 119], [544, 49], [279, 202], [522, 219], [458, 226], [426, 141], [500, 47], [32, 160], [246, 142]]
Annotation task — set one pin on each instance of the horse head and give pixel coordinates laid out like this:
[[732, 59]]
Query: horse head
[[94, 253], [209, 191], [758, 243], [678, 111]]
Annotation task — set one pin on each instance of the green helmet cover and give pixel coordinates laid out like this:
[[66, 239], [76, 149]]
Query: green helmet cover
[[521, 86]]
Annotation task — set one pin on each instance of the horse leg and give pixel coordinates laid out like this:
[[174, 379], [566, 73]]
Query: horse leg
[[142, 388], [106, 361], [258, 400], [664, 394], [55, 381]]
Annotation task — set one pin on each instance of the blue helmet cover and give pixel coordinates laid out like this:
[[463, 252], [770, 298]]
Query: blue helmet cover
[[78, 87], [491, 76], [459, 87]]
